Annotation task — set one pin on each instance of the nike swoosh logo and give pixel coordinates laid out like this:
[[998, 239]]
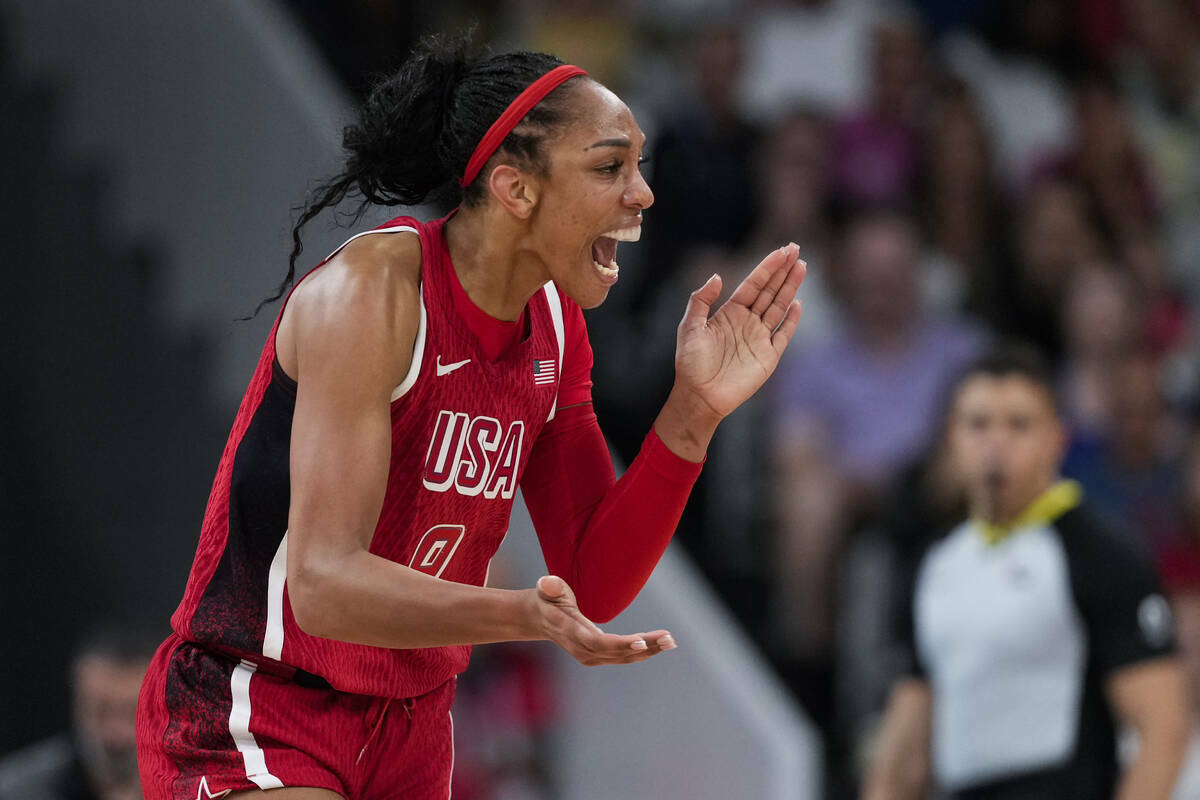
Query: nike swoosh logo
[[206, 793], [446, 369]]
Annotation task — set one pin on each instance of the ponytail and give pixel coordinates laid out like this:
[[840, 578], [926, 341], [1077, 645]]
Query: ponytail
[[419, 126]]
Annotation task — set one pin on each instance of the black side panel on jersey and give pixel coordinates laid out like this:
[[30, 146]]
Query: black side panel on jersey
[[233, 610]]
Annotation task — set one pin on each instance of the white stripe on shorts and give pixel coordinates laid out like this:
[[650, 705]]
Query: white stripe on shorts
[[239, 727], [450, 788]]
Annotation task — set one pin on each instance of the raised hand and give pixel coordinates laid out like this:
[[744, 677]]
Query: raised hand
[[725, 358], [562, 624]]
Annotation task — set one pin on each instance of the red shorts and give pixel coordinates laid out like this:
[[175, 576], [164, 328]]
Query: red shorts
[[208, 724]]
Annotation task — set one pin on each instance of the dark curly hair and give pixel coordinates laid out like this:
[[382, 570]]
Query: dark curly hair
[[419, 126]]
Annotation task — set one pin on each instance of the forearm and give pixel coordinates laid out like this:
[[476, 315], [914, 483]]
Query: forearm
[[1152, 774], [365, 599], [603, 536], [631, 529], [897, 774], [900, 768], [896, 781]]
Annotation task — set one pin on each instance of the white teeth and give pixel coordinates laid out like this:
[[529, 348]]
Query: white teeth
[[626, 234], [610, 271]]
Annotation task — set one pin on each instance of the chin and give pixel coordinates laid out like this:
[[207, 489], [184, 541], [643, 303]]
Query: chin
[[585, 290], [589, 299]]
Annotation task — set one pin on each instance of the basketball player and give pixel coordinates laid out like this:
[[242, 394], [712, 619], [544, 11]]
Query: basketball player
[[410, 384]]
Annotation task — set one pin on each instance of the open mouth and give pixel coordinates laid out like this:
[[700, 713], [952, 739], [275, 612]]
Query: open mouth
[[604, 249]]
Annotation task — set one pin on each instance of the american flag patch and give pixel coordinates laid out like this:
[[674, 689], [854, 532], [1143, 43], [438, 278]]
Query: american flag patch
[[543, 371]]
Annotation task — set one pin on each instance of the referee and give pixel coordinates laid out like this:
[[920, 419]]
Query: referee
[[1034, 630]]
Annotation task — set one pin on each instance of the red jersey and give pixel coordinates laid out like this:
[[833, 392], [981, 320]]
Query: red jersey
[[463, 426]]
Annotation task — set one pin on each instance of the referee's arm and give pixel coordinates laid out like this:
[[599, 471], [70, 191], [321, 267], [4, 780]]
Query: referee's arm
[[900, 768], [1152, 698], [1132, 645]]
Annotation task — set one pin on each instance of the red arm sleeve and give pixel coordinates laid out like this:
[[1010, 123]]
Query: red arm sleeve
[[601, 535]]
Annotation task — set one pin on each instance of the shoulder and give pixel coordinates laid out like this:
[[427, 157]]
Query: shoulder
[[365, 299], [369, 289], [364, 268], [1095, 542], [1117, 589], [946, 547]]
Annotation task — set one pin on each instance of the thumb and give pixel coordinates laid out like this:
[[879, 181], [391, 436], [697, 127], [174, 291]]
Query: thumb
[[700, 302], [552, 587]]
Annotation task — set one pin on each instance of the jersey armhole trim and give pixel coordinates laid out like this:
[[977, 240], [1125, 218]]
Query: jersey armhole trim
[[394, 229], [418, 354], [556, 315]]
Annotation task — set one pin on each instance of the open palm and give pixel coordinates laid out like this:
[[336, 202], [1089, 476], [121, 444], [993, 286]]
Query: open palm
[[725, 358]]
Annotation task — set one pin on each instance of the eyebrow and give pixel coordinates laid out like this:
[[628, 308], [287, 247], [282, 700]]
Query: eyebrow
[[620, 141]]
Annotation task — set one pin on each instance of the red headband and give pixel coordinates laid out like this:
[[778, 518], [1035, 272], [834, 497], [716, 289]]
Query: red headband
[[515, 112]]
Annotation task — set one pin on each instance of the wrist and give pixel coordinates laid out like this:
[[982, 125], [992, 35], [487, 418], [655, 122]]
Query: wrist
[[528, 618], [686, 424]]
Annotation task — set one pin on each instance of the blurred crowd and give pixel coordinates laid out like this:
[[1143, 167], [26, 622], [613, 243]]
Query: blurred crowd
[[955, 174]]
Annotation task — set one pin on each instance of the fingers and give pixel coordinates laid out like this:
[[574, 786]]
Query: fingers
[[701, 302], [608, 648], [781, 260], [584, 640], [783, 335], [781, 301], [768, 293]]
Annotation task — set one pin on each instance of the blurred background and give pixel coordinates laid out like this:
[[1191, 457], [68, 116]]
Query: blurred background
[[954, 172]]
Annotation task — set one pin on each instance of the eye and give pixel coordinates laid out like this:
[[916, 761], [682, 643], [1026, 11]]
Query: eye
[[611, 168], [643, 160]]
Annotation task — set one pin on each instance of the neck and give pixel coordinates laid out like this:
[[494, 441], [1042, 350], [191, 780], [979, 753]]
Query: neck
[[492, 257], [987, 506]]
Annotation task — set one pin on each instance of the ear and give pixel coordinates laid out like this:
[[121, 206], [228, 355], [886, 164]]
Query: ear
[[1062, 437], [515, 190]]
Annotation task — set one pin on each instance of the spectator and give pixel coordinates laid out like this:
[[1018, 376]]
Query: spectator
[[965, 211], [1033, 629], [97, 759], [876, 148], [703, 151], [600, 36], [791, 183], [809, 53], [850, 411], [1100, 322], [1160, 73], [1104, 159], [1024, 100], [1132, 471], [1054, 235], [1167, 317]]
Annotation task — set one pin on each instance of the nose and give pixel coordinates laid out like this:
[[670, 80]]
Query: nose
[[638, 194]]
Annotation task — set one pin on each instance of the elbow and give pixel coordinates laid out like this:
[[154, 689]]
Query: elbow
[[309, 596]]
